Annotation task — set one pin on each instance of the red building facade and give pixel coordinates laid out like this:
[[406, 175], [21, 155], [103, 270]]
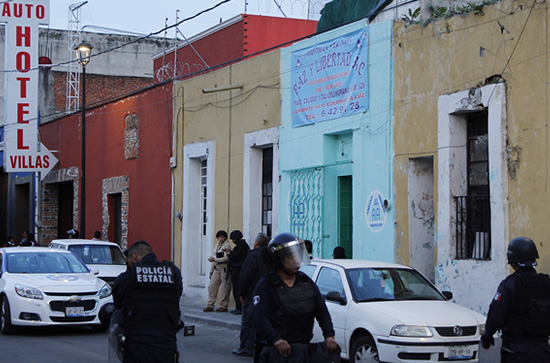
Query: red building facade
[[230, 41], [128, 173]]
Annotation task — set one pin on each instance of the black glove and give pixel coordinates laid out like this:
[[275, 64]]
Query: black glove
[[487, 341]]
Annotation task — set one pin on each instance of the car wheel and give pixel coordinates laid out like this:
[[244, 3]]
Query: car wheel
[[5, 318], [364, 350]]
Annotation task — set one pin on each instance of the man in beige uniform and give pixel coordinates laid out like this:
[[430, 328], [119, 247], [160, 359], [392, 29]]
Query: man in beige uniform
[[218, 275]]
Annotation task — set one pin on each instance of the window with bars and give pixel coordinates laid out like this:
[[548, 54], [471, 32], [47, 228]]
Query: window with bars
[[473, 211], [203, 197], [267, 190]]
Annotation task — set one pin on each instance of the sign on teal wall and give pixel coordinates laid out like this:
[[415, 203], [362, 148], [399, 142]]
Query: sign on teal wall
[[329, 80]]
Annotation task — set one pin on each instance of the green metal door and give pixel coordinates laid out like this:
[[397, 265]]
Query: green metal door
[[345, 213]]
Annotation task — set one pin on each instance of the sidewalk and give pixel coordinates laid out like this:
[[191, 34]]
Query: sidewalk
[[191, 309]]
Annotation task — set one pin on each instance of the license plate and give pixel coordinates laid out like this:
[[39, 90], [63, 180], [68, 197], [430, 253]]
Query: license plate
[[459, 352], [72, 311]]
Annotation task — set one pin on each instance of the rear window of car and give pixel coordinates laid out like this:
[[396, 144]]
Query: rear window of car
[[99, 255]]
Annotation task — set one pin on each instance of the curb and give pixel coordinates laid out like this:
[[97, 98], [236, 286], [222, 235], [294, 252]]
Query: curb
[[195, 318]]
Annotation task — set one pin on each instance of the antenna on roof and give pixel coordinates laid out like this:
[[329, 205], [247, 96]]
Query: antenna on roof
[[73, 75], [176, 46]]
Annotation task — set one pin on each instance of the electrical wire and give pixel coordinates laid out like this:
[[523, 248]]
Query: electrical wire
[[434, 94], [133, 41]]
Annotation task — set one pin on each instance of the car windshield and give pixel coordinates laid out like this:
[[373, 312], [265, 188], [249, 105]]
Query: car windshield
[[389, 284], [98, 255], [44, 263]]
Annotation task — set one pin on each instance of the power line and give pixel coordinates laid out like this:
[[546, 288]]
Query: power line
[[129, 42], [254, 54]]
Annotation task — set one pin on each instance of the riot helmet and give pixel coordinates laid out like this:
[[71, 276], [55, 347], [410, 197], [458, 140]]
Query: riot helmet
[[290, 252], [522, 251]]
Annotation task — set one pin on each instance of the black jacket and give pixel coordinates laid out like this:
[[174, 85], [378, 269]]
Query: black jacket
[[257, 264], [148, 294], [238, 254], [521, 307], [274, 320]]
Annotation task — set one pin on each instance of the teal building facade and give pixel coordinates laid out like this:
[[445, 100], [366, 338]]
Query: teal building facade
[[335, 141]]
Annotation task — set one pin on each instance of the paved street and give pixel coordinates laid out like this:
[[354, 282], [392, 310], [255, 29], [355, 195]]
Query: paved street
[[54, 345], [216, 334]]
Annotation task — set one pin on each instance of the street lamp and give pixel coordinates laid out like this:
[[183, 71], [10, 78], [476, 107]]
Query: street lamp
[[83, 52]]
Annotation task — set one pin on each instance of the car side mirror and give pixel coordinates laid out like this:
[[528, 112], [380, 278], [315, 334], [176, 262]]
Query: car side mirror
[[336, 297], [95, 271], [448, 295]]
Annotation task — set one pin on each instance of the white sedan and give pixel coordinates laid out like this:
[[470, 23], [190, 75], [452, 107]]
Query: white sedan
[[43, 286], [385, 312], [104, 257]]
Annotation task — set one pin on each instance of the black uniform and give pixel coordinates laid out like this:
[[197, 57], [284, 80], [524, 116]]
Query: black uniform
[[236, 260], [521, 309], [148, 295], [288, 313], [256, 265]]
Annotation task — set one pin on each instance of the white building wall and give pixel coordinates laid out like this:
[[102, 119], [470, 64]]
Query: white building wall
[[421, 216], [468, 279]]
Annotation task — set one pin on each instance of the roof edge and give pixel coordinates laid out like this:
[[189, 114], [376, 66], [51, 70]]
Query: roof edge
[[203, 34]]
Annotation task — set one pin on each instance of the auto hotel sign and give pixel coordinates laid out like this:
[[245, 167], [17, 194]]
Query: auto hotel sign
[[329, 80], [22, 151]]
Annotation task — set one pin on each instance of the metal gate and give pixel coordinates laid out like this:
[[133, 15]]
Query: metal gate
[[306, 206]]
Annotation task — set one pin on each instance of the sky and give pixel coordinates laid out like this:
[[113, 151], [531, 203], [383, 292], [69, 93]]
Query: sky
[[148, 16]]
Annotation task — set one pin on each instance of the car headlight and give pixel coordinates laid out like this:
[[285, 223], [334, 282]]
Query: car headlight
[[411, 331], [29, 292], [105, 291], [481, 329]]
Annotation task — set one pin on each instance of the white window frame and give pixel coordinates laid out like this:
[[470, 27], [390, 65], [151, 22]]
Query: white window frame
[[191, 226], [464, 276], [254, 142]]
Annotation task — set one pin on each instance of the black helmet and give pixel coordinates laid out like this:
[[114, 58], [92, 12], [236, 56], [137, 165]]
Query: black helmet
[[287, 246], [523, 252]]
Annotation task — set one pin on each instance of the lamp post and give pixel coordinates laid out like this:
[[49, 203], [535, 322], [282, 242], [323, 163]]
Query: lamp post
[[83, 52]]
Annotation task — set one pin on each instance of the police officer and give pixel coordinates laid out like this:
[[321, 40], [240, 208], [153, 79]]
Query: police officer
[[521, 308], [287, 301], [148, 294]]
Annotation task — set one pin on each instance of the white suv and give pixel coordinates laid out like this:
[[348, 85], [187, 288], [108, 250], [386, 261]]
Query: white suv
[[100, 256]]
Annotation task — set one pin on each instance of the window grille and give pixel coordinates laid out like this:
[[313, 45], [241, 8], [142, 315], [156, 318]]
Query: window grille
[[473, 211], [204, 219], [473, 227], [306, 205], [267, 190]]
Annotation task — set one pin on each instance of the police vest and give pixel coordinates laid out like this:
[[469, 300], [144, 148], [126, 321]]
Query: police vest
[[529, 315], [153, 303], [295, 301]]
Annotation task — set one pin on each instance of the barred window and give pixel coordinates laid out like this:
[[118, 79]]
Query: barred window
[[473, 211]]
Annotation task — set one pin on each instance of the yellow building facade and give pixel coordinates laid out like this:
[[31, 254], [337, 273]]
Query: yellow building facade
[[225, 165], [471, 157]]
